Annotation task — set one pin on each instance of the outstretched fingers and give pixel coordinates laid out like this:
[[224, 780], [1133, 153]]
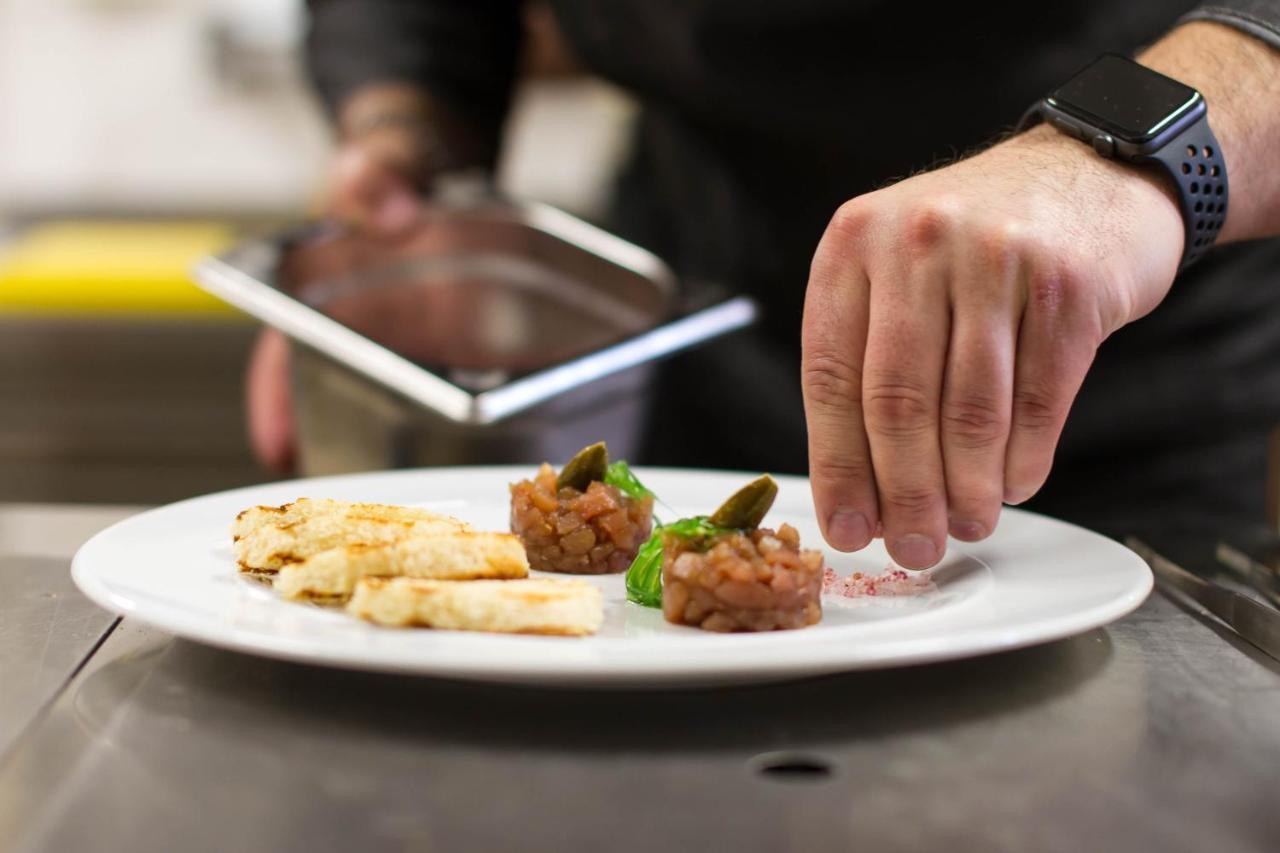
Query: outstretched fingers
[[834, 339]]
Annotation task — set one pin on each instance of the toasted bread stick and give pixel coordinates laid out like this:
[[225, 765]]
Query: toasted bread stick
[[331, 575], [303, 508], [531, 606], [269, 547]]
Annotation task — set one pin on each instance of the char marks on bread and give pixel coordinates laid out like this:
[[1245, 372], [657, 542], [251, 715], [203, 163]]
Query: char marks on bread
[[458, 555], [532, 606], [303, 508], [270, 546]]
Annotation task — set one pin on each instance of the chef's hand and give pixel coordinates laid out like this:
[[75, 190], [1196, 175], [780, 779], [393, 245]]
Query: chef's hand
[[950, 318], [390, 146], [949, 322], [268, 403]]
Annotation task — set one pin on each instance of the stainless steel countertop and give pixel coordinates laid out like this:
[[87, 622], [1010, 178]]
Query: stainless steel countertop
[[1158, 732], [47, 628]]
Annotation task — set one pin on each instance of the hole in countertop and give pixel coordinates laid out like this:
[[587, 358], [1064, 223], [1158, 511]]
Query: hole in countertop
[[792, 767]]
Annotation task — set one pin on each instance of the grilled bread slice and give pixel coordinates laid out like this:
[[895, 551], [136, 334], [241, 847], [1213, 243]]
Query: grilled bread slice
[[331, 575], [269, 547], [303, 508], [531, 606]]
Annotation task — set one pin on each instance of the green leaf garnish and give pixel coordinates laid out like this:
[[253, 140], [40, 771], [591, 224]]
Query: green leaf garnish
[[618, 474], [698, 527], [644, 577], [744, 510]]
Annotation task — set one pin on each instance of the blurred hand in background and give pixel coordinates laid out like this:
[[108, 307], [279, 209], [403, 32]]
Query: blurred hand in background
[[390, 149]]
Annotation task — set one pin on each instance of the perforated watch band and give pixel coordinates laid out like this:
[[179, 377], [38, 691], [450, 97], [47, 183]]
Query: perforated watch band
[[1195, 162]]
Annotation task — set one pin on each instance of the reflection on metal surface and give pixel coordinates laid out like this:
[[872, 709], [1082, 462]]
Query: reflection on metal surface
[[156, 745], [1251, 620], [1262, 578], [479, 285], [47, 628], [489, 332]]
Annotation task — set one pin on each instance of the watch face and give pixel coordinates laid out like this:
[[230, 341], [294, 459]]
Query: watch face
[[1125, 99]]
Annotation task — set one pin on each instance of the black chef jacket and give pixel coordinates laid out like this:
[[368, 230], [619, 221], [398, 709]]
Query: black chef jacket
[[759, 118]]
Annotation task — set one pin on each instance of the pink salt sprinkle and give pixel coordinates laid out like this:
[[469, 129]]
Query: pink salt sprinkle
[[892, 581]]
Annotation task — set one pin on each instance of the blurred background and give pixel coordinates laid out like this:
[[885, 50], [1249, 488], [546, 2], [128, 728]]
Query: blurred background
[[137, 136]]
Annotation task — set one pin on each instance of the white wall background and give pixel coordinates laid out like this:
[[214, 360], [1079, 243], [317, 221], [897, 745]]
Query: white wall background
[[118, 105], [201, 106]]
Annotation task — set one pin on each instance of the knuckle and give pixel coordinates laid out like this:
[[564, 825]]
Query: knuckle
[[1003, 241], [898, 408], [1053, 285], [977, 503], [1037, 245], [910, 500], [838, 247], [1061, 292], [974, 422], [849, 222], [931, 223], [829, 378], [837, 470], [975, 494], [1035, 408]]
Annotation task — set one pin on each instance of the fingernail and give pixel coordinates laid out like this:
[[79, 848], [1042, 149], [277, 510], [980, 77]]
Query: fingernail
[[1014, 496], [914, 551], [848, 530], [968, 531]]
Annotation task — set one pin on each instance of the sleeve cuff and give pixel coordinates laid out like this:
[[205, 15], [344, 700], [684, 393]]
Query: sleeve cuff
[[1258, 19]]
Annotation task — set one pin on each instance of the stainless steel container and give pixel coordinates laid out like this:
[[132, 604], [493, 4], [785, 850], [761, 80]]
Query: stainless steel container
[[491, 332]]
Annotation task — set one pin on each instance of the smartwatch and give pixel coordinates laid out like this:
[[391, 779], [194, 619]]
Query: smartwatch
[[1129, 112]]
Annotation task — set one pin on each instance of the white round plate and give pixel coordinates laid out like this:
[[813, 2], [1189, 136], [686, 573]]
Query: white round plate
[[1035, 580]]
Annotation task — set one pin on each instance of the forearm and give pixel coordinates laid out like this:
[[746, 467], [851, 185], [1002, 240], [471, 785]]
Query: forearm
[[1239, 76]]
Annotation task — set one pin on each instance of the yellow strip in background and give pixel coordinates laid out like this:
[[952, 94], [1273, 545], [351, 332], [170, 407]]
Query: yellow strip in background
[[110, 267]]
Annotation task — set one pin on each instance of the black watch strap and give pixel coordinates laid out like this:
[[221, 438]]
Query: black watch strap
[[1194, 161]]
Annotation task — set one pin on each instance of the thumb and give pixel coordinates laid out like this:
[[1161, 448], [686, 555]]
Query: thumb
[[269, 403]]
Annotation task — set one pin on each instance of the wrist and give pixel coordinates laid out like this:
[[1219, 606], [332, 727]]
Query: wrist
[[1113, 222], [1121, 197], [403, 117], [1048, 147], [368, 107]]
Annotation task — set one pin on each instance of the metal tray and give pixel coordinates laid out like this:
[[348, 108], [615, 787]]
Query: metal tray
[[489, 326]]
